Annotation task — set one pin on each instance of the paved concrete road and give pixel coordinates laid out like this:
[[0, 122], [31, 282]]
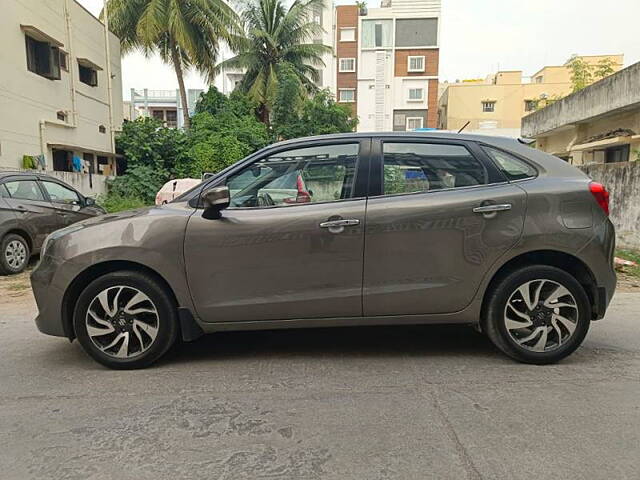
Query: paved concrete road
[[372, 403]]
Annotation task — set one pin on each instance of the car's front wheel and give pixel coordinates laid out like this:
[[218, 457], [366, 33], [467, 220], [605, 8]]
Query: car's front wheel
[[15, 254], [125, 320], [538, 314]]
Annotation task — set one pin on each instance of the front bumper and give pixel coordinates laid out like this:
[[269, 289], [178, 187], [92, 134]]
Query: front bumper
[[49, 299]]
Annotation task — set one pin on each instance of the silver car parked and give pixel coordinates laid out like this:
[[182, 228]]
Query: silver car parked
[[377, 229]]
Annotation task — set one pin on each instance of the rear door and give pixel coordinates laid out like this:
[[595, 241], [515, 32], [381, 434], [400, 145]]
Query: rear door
[[439, 215], [35, 214], [67, 203]]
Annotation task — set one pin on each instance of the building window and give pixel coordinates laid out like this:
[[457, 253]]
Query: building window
[[415, 64], [377, 33], [62, 116], [172, 118], [347, 34], [347, 95], [488, 106], [416, 32], [530, 105], [347, 65], [414, 122], [102, 129], [88, 75], [539, 79], [64, 60], [43, 58], [416, 94]]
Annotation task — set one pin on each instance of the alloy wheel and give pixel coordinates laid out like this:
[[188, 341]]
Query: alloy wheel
[[541, 315], [122, 322], [15, 254]]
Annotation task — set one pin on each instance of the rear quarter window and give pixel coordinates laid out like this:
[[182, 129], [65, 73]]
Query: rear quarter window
[[511, 166]]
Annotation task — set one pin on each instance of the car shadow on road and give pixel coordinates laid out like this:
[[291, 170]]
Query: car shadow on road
[[433, 340]]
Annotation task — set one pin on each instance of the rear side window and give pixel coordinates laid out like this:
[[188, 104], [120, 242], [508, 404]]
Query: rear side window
[[512, 167], [25, 190], [425, 167], [4, 193]]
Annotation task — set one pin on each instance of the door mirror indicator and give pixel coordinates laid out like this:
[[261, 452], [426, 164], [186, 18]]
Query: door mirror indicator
[[217, 198]]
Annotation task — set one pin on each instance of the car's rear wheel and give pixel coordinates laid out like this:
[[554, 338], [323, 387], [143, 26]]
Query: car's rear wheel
[[125, 320], [15, 254], [537, 314]]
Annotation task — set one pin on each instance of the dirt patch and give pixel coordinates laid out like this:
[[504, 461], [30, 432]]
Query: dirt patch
[[15, 288]]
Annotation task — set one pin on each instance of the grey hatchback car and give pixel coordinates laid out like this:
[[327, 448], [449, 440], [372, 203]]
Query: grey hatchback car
[[32, 205], [378, 229]]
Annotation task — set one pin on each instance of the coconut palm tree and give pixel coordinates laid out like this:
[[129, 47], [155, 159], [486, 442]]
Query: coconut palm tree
[[185, 33], [276, 35]]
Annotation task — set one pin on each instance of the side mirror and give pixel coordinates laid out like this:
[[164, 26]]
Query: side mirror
[[217, 198], [89, 202]]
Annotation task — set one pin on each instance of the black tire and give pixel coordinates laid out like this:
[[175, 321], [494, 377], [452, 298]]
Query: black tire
[[494, 324], [167, 318], [7, 267]]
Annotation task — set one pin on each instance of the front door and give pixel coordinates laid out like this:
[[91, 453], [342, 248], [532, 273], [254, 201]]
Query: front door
[[435, 227], [34, 212], [290, 244], [67, 203]]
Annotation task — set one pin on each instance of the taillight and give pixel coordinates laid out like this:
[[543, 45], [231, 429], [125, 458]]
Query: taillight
[[601, 195]]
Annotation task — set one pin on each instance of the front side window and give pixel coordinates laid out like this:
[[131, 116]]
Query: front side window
[[61, 194], [426, 167], [25, 190], [305, 175], [512, 167]]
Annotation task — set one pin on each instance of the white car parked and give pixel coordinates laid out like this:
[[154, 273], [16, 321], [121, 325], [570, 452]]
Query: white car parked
[[174, 188]]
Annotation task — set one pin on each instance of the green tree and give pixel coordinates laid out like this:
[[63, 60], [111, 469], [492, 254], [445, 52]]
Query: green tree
[[584, 74], [581, 73], [150, 151], [276, 35], [604, 68], [318, 115], [185, 33], [224, 130]]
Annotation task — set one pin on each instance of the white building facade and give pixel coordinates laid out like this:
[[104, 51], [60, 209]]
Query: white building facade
[[387, 65], [60, 91]]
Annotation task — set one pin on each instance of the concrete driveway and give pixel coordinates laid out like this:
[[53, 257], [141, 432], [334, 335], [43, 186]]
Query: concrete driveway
[[368, 403]]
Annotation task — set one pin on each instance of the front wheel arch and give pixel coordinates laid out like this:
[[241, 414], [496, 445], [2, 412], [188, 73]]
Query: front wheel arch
[[95, 271]]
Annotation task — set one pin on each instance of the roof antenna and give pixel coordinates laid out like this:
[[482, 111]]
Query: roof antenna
[[464, 126]]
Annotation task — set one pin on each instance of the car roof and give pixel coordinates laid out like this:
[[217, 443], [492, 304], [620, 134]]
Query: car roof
[[18, 173], [521, 147]]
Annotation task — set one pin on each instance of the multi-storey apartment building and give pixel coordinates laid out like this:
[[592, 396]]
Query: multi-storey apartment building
[[163, 105], [496, 105], [60, 91], [387, 63]]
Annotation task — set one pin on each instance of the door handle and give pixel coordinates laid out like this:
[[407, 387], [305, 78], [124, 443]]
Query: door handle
[[351, 222], [492, 208], [337, 226]]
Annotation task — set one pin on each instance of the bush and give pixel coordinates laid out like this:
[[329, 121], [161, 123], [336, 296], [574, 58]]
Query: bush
[[113, 203]]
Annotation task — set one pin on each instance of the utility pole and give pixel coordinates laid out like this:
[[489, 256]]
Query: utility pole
[[105, 21]]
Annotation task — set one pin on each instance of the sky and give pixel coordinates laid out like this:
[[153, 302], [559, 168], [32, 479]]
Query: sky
[[479, 37]]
